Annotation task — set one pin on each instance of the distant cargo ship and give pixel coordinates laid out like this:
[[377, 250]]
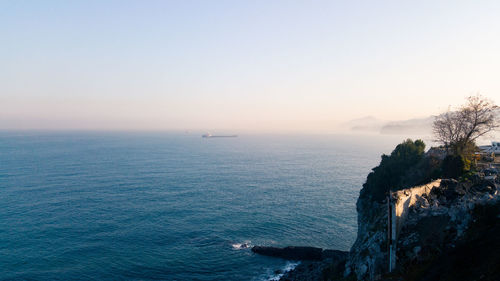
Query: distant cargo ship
[[208, 135]]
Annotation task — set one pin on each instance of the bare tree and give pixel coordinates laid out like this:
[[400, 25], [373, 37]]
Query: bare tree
[[458, 130]]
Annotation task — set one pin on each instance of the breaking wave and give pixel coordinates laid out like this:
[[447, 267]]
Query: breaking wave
[[241, 246], [287, 268]]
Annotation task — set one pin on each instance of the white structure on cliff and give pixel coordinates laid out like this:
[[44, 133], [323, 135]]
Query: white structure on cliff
[[493, 148], [399, 206]]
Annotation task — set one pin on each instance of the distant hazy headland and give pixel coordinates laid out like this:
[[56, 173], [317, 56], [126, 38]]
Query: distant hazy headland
[[375, 125]]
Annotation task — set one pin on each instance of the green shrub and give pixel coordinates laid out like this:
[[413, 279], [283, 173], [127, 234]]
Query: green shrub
[[454, 166], [389, 174]]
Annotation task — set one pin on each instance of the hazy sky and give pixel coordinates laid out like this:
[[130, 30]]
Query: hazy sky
[[234, 65]]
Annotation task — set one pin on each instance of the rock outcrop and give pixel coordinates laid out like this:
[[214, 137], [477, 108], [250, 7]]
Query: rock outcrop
[[429, 220], [300, 253], [443, 230]]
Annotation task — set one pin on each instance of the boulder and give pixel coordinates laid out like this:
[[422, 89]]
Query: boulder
[[290, 252], [334, 254]]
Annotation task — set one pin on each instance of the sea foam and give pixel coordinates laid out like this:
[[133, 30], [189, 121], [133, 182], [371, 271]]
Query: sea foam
[[241, 246], [287, 268]]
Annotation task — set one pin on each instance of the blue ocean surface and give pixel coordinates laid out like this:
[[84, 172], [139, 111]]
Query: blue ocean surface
[[173, 206]]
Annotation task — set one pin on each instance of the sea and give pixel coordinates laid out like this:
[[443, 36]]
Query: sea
[[173, 205]]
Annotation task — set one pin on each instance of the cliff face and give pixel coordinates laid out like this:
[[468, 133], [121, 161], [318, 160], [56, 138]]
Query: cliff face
[[427, 221], [368, 254]]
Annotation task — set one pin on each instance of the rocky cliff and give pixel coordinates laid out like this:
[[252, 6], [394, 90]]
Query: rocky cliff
[[425, 222], [443, 230], [414, 228]]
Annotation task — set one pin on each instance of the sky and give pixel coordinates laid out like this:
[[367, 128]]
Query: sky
[[241, 65]]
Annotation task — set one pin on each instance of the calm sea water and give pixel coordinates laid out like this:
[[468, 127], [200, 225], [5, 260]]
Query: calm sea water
[[164, 206]]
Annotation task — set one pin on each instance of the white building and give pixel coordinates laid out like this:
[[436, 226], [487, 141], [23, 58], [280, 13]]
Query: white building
[[493, 148]]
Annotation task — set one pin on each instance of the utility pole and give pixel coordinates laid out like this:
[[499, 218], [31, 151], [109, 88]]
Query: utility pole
[[389, 230], [391, 233]]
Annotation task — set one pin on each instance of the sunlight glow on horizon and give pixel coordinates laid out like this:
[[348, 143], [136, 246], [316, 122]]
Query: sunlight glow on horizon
[[263, 65]]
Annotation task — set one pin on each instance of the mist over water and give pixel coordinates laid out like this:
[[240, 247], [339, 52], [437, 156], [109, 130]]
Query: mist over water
[[163, 206]]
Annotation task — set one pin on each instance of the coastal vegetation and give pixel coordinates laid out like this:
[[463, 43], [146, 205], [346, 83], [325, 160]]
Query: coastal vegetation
[[458, 131], [394, 170]]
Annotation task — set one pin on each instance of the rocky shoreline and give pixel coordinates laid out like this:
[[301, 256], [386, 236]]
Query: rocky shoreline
[[300, 253], [316, 263], [313, 270], [445, 229], [414, 224]]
